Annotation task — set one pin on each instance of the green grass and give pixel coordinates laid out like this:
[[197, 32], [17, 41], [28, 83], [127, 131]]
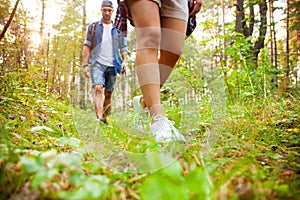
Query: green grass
[[51, 150]]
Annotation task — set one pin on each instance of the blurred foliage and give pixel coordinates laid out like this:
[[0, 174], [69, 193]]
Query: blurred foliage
[[254, 154]]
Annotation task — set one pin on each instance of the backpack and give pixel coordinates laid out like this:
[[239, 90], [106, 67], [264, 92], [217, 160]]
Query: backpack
[[123, 13]]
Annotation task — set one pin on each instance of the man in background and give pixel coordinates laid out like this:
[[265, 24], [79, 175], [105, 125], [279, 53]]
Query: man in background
[[104, 46]]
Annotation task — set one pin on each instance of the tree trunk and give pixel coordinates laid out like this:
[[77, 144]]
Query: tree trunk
[[260, 43], [271, 20], [53, 86], [287, 41], [42, 27], [273, 40], [9, 20], [47, 59], [83, 94], [224, 32], [247, 30], [240, 15], [41, 45]]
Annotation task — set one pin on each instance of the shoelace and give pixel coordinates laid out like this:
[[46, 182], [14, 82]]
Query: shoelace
[[158, 117], [170, 123]]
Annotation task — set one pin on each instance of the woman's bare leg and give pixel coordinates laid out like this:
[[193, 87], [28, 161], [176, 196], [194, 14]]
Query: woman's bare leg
[[147, 23], [170, 51], [172, 30]]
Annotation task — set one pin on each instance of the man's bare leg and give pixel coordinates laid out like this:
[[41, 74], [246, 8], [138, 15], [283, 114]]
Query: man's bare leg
[[107, 104], [98, 101]]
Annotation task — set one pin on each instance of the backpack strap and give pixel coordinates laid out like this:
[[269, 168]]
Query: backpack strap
[[93, 33]]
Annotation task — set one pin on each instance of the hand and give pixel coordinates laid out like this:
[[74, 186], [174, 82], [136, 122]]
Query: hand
[[197, 6], [87, 71], [123, 68]]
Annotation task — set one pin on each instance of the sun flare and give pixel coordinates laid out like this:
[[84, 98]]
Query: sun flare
[[35, 40]]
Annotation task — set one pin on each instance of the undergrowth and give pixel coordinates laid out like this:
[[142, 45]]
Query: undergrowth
[[44, 155]]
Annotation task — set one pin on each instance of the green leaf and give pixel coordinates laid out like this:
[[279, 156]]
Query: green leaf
[[96, 186], [69, 160], [157, 187], [39, 128], [74, 142], [197, 181], [43, 176], [274, 155], [158, 160], [283, 188], [32, 164], [173, 171], [48, 154]]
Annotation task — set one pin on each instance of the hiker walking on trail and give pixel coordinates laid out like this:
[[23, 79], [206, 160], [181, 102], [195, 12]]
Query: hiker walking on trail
[[161, 28], [103, 45]]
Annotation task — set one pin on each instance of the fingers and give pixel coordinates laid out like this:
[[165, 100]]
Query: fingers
[[197, 6], [87, 72], [123, 68]]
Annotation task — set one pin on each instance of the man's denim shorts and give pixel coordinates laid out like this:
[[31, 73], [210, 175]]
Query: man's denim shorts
[[103, 75]]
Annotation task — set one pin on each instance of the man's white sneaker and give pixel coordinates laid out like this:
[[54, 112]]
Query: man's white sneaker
[[140, 114], [164, 130]]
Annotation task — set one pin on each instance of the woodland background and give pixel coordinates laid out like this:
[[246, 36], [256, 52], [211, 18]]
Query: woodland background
[[240, 68]]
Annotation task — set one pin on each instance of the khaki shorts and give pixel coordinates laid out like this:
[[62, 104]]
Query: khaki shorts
[[173, 8]]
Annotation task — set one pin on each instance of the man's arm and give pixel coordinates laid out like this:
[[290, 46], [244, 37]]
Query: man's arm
[[197, 6], [123, 50], [124, 61], [86, 55]]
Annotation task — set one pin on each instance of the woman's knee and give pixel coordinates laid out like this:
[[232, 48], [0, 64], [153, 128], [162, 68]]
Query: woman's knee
[[172, 41], [149, 37]]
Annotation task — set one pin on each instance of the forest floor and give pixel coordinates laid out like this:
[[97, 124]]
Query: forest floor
[[51, 150]]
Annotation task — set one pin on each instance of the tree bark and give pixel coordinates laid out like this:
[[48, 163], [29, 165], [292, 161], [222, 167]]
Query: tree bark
[[260, 43], [247, 30], [240, 15], [273, 40], [271, 20], [9, 20], [83, 87], [42, 27], [287, 41]]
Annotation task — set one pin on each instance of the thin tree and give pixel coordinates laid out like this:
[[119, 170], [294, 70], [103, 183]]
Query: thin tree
[[41, 45], [42, 26], [287, 72], [273, 56], [9, 20], [274, 38], [271, 18], [83, 87]]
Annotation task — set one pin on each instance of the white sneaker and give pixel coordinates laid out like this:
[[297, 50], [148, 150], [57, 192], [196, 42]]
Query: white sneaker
[[140, 114], [164, 130]]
